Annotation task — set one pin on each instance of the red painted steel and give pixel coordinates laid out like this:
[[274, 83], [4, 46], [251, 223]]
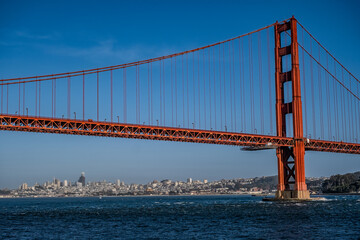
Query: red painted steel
[[123, 130], [299, 147], [291, 169]]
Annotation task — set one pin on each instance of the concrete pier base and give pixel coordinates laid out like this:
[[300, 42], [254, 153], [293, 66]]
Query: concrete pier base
[[292, 194]]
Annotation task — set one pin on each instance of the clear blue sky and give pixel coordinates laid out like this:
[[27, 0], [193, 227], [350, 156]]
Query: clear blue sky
[[42, 37]]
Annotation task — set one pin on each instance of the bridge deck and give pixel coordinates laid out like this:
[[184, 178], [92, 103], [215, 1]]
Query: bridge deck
[[122, 130]]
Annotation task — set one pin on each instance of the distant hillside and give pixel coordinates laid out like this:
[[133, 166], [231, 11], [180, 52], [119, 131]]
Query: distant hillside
[[347, 183]]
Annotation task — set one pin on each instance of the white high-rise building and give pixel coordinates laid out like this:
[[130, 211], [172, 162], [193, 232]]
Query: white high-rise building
[[23, 186], [118, 183], [189, 180], [65, 183]]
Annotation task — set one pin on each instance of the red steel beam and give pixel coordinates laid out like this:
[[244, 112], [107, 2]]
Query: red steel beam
[[107, 129]]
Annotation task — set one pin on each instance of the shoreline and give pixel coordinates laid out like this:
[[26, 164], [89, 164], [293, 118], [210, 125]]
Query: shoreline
[[119, 196], [182, 195]]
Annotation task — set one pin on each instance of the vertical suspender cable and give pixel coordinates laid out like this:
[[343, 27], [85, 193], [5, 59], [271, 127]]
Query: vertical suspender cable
[[2, 94], [199, 88], [68, 102], [351, 113], [320, 99], [36, 89], [231, 88], [39, 98], [7, 97], [183, 88], [160, 93], [148, 67], [187, 90], [193, 79], [261, 85], [19, 97], [328, 99], [214, 67], [111, 94], [25, 95], [151, 95], [337, 118], [172, 93], [357, 115], [240, 80], [176, 93], [52, 99], [243, 85], [83, 96], [343, 117], [97, 96], [251, 85], [55, 97], [220, 86], [138, 94], [204, 89], [164, 92], [224, 86], [124, 95], [210, 110], [269, 82], [312, 93], [234, 84]]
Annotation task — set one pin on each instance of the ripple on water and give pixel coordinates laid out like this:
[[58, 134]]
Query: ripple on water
[[179, 217]]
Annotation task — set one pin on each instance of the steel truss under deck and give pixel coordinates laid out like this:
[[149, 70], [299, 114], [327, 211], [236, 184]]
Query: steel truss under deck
[[123, 130]]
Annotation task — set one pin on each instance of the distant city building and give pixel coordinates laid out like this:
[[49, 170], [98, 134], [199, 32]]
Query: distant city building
[[65, 183], [205, 181], [166, 182], [189, 180], [118, 183], [82, 179], [56, 182], [23, 186]]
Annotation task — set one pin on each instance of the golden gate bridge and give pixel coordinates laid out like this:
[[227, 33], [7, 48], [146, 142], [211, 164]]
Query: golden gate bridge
[[276, 87]]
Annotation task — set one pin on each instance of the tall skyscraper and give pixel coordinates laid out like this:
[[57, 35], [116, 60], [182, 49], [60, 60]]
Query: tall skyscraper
[[118, 183], [23, 186], [56, 183], [82, 179]]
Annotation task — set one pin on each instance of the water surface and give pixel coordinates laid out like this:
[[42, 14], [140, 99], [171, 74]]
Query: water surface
[[179, 217]]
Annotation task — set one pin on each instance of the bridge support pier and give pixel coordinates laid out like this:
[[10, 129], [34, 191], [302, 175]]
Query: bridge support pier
[[292, 194], [291, 164]]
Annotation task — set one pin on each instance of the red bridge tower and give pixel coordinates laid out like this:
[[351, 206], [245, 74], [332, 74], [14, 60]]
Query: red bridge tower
[[291, 167]]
